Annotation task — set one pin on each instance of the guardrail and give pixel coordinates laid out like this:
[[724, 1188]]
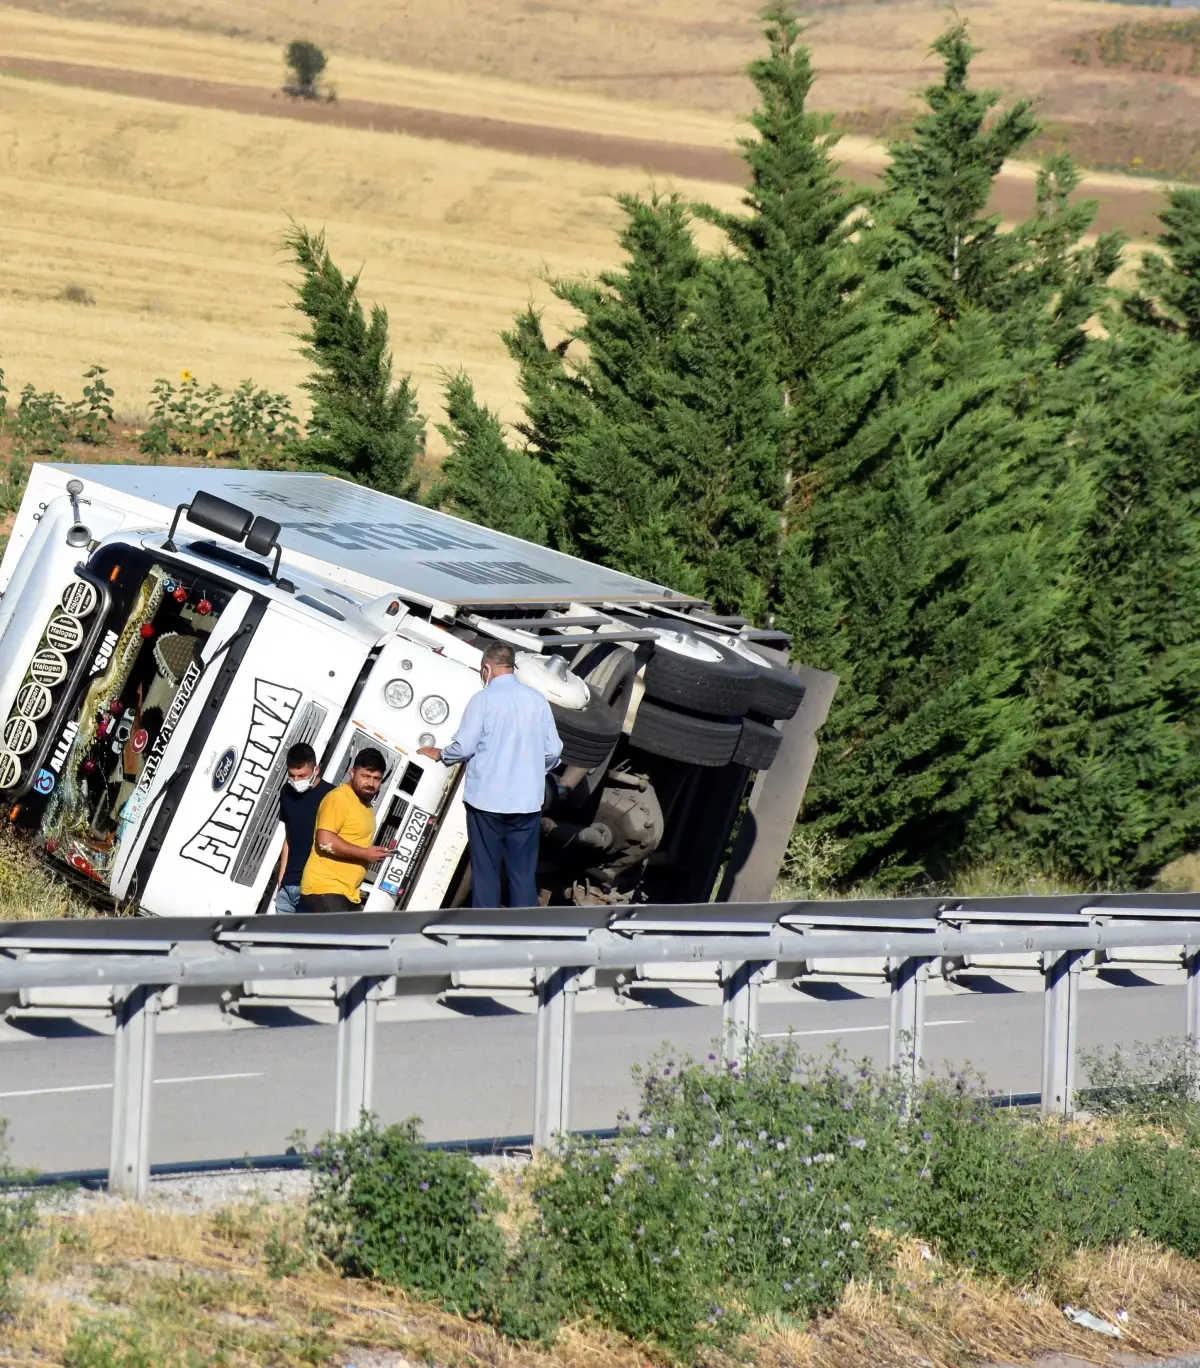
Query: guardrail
[[362, 953]]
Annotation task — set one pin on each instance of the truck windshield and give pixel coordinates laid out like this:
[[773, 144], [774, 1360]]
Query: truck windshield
[[99, 774]]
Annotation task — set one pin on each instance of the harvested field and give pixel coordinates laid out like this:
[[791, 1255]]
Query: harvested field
[[150, 173], [170, 218], [873, 57]]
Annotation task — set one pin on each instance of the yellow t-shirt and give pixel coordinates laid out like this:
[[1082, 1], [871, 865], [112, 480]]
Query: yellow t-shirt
[[347, 816]]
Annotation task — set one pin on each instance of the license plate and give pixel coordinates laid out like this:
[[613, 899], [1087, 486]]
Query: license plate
[[412, 842]]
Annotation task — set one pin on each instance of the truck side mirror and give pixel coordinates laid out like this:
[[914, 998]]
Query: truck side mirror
[[262, 536], [214, 515]]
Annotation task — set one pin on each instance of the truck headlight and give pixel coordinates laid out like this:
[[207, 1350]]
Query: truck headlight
[[397, 693], [434, 710]]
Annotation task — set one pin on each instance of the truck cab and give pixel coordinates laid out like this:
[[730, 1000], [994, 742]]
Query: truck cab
[[167, 635]]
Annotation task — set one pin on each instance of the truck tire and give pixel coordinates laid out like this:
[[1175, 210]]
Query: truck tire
[[777, 692], [589, 734], [684, 736], [758, 744], [717, 681], [611, 670]]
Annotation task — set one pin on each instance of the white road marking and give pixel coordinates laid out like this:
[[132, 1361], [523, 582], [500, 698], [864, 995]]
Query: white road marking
[[844, 1030], [217, 1078], [101, 1087], [41, 1092]]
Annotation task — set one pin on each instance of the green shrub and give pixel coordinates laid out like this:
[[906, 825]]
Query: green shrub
[[1157, 1084], [765, 1189], [18, 1220], [383, 1206], [41, 426], [109, 1344], [92, 416], [250, 423], [742, 1193], [737, 1191], [621, 1240]]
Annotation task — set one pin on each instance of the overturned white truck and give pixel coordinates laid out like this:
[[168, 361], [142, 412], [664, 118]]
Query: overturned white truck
[[166, 634]]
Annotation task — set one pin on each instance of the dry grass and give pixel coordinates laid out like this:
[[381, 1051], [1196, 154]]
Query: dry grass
[[1180, 876], [199, 1282], [29, 891], [947, 1320], [170, 218]]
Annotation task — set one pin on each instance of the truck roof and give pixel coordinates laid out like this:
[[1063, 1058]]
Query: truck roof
[[400, 545]]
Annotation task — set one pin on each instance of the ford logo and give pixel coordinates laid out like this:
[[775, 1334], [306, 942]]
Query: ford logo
[[224, 767]]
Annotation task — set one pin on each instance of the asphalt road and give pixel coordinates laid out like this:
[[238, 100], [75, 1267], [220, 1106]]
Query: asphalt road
[[226, 1091]]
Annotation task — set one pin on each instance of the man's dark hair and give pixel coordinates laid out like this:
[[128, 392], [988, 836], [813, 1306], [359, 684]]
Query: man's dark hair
[[370, 759], [499, 653], [301, 754]]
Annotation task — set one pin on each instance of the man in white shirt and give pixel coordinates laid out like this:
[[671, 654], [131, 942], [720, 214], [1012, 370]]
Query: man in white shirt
[[509, 742]]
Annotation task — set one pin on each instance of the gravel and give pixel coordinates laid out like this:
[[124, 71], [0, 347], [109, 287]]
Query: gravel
[[237, 1187]]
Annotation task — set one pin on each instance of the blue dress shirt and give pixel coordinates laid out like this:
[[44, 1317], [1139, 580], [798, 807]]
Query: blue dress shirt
[[508, 738]]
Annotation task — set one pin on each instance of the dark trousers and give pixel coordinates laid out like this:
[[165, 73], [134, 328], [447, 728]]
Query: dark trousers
[[504, 841], [327, 902]]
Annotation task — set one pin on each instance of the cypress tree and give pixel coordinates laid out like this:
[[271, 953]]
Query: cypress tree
[[928, 591], [943, 245], [1113, 790], [1170, 295], [482, 478], [800, 216], [929, 559], [362, 425], [663, 432]]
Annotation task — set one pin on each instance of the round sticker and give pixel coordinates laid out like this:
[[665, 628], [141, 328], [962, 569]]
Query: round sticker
[[80, 598], [20, 735], [10, 770], [139, 739], [64, 633], [48, 667], [33, 701]]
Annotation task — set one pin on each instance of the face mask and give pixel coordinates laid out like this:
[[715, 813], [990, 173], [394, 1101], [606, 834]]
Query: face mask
[[486, 676], [302, 785]]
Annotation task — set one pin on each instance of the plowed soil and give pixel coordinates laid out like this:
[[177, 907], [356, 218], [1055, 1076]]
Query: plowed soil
[[1123, 204]]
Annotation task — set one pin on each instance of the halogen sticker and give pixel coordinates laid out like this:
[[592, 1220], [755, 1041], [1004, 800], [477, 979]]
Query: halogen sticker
[[64, 633], [33, 701], [20, 735], [48, 667], [80, 599], [10, 770]]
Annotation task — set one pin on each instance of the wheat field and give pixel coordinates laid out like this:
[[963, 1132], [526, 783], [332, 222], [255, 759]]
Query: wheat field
[[680, 52], [171, 218]]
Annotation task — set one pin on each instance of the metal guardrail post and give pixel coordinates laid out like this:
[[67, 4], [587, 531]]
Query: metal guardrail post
[[136, 1011], [556, 993], [740, 981], [358, 1007], [906, 1033], [1191, 964], [1059, 1029]]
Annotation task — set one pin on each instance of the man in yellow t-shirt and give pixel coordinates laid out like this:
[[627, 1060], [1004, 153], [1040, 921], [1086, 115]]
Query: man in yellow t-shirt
[[344, 846]]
